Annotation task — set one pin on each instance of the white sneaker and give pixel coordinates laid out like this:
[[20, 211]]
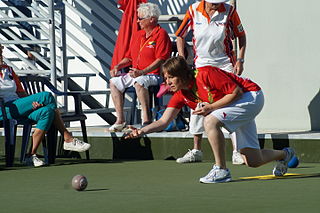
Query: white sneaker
[[76, 145], [216, 175], [191, 156], [117, 127], [33, 160], [237, 158], [281, 167]]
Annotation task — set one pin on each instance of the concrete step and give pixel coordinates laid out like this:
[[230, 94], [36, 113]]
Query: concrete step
[[104, 110], [171, 145]]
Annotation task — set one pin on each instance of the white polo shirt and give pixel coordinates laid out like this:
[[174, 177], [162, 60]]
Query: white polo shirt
[[8, 85], [212, 37]]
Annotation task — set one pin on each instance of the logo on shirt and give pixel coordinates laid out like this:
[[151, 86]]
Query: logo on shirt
[[240, 28], [224, 115], [198, 23], [151, 44], [220, 23]]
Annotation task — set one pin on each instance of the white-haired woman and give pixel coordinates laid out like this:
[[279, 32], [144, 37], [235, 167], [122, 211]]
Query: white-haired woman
[[149, 48]]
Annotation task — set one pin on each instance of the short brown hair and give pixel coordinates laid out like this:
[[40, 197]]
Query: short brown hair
[[178, 67]]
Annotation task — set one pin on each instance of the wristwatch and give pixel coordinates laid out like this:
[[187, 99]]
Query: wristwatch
[[241, 60]]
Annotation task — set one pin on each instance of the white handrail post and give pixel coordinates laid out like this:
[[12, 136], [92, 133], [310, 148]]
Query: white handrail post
[[63, 51], [53, 76]]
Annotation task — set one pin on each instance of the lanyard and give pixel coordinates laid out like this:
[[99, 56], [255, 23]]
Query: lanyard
[[143, 45]]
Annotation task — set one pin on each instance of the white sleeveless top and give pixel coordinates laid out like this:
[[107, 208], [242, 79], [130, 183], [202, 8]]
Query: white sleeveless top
[[8, 86]]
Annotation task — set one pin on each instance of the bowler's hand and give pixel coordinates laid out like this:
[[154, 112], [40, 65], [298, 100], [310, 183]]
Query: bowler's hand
[[238, 68], [135, 133], [114, 71], [36, 105], [203, 109]]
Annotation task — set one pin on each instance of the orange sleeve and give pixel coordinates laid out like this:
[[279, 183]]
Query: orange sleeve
[[236, 23], [185, 26]]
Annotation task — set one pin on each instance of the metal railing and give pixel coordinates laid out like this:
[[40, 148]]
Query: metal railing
[[66, 31], [12, 19]]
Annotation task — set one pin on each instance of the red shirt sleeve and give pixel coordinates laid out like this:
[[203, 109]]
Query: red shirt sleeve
[[236, 23], [176, 101], [163, 47]]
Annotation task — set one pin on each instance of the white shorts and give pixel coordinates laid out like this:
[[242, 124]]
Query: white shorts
[[125, 81], [196, 121], [239, 117]]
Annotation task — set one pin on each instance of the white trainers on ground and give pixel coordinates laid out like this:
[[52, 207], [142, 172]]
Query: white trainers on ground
[[191, 156], [33, 160], [237, 158], [117, 127], [216, 175], [281, 166], [76, 145]]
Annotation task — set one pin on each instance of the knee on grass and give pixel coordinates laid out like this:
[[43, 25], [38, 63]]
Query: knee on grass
[[252, 163], [252, 157]]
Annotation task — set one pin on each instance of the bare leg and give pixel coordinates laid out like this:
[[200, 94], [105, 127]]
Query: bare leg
[[70, 143], [59, 124], [237, 157], [258, 157], [117, 98], [197, 141], [216, 139], [36, 140], [233, 140], [143, 96]]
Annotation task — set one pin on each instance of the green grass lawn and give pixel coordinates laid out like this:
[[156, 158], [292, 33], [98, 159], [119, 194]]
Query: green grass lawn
[[155, 186]]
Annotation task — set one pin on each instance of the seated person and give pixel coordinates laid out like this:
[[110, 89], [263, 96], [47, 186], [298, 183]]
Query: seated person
[[40, 108], [149, 48], [226, 100]]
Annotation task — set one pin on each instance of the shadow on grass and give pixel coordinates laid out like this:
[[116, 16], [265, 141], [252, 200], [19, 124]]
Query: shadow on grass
[[63, 162], [60, 162], [95, 190], [272, 177]]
